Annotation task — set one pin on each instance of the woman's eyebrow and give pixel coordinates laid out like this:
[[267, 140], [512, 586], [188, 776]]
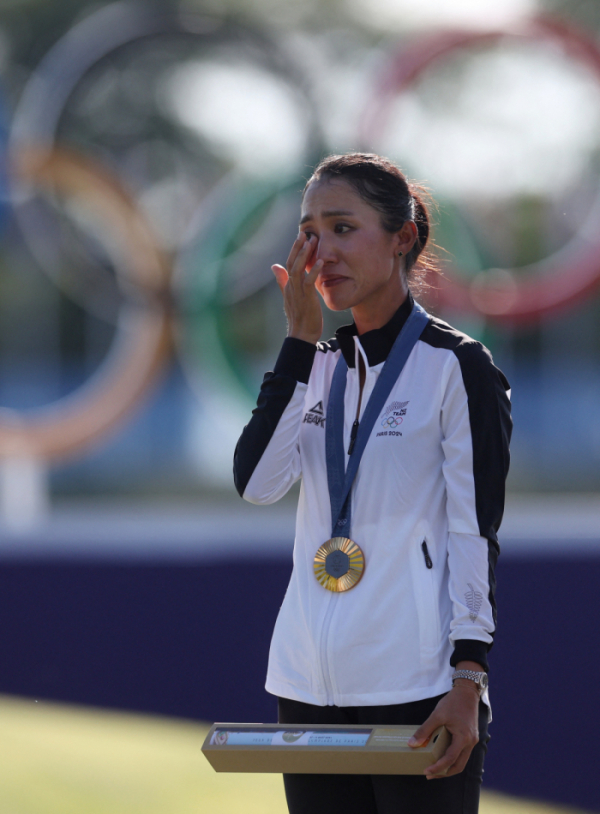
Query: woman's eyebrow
[[331, 213]]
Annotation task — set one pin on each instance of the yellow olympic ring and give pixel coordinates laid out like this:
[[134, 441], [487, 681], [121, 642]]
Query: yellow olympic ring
[[143, 338]]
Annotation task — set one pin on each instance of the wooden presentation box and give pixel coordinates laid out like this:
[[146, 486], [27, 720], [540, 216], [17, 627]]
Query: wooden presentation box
[[320, 749]]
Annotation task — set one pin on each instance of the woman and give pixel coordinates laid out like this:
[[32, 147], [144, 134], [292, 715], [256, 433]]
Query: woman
[[399, 430]]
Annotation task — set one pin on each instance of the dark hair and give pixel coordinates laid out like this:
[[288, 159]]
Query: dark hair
[[384, 186]]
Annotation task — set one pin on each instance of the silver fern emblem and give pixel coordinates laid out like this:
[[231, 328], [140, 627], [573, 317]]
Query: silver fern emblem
[[474, 600], [395, 405]]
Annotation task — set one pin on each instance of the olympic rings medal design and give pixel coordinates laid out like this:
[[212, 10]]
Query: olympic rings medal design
[[339, 564]]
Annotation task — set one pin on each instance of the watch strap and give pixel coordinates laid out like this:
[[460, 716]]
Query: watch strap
[[480, 679]]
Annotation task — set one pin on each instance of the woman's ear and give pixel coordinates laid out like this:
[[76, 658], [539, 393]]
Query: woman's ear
[[406, 237]]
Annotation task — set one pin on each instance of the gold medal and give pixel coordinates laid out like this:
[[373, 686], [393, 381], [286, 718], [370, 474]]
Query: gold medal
[[339, 564]]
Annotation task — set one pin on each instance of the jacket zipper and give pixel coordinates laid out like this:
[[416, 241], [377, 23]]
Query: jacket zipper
[[327, 682], [362, 375], [428, 562]]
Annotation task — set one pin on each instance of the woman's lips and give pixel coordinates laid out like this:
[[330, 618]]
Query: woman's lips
[[330, 282]]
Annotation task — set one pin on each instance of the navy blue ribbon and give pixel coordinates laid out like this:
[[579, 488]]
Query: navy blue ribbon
[[340, 478]]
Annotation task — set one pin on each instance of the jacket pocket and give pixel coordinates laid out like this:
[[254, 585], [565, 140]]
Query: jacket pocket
[[425, 550], [426, 595]]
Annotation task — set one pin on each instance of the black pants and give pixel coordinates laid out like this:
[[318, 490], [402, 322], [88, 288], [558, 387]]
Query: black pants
[[381, 794]]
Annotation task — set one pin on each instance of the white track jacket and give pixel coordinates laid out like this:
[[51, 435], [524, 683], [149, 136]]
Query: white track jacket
[[426, 505]]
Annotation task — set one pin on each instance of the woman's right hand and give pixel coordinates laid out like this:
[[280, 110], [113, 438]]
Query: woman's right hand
[[300, 298]]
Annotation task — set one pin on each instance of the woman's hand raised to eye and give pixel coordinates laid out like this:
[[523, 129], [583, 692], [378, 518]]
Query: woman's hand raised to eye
[[300, 298]]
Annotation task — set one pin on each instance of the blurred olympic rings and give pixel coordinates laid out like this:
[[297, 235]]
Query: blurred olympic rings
[[391, 421], [538, 290], [243, 225], [142, 343], [124, 277], [37, 119], [251, 226], [40, 120]]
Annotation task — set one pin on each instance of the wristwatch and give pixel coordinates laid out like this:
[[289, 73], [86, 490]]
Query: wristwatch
[[480, 679]]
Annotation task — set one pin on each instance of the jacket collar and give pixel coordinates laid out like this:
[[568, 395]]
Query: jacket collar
[[378, 343]]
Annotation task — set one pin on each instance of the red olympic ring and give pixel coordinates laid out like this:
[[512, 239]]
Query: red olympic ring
[[539, 290]]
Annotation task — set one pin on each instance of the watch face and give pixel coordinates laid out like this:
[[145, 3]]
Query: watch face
[[483, 681]]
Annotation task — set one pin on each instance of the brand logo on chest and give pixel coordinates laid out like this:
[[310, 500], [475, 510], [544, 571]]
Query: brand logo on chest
[[316, 415], [392, 417]]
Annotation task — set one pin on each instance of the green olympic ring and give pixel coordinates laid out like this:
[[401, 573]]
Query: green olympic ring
[[253, 225]]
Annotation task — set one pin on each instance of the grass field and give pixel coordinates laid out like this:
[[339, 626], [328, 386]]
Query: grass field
[[70, 760]]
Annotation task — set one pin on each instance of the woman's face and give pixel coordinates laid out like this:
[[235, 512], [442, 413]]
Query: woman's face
[[361, 266]]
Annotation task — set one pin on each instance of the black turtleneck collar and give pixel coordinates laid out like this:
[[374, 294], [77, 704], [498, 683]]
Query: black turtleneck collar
[[377, 343]]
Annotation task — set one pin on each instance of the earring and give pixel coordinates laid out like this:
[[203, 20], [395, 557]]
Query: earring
[[400, 254]]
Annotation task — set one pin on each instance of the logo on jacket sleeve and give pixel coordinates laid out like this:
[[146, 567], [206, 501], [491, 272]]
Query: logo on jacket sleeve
[[473, 599], [316, 415]]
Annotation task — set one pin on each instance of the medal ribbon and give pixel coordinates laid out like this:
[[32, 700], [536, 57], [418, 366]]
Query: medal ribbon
[[340, 478]]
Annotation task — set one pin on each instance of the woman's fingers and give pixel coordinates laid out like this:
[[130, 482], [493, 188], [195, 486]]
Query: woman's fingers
[[457, 710], [453, 762], [311, 276], [297, 247], [297, 262], [281, 276], [300, 298], [300, 255]]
